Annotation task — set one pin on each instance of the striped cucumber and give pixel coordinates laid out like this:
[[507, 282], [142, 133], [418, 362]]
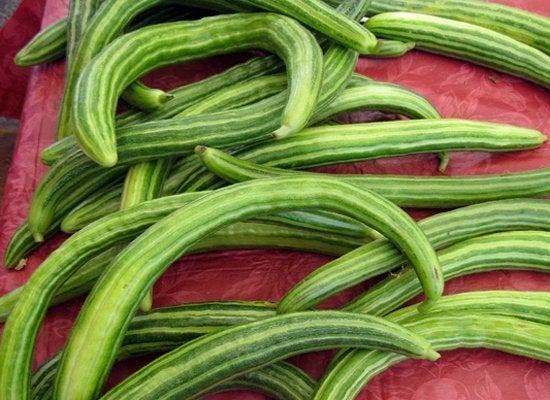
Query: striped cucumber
[[164, 329], [525, 26], [134, 54], [313, 147], [496, 321], [502, 251], [442, 230], [245, 235], [159, 246], [168, 327], [245, 125], [279, 380], [239, 201], [187, 371], [360, 94], [104, 28], [317, 146], [466, 42], [325, 145], [380, 96], [48, 45], [522, 25], [405, 191], [529, 306], [183, 97], [107, 203]]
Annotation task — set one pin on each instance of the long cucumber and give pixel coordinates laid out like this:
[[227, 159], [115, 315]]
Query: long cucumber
[[527, 27], [522, 25], [184, 97], [311, 147], [466, 42], [134, 54], [240, 201], [245, 125], [405, 191], [104, 28], [240, 235], [164, 329], [189, 371], [168, 327], [442, 229], [502, 251], [496, 321], [360, 94], [317, 146], [233, 203]]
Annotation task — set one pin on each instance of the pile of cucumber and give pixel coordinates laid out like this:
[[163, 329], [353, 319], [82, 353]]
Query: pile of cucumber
[[220, 164]]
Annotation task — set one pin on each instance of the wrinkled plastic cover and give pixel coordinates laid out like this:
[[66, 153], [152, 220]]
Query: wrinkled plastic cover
[[457, 89]]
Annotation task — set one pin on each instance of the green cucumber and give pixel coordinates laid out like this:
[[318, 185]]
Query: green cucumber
[[308, 148], [466, 42], [164, 329], [240, 201], [240, 235], [496, 321], [250, 198], [113, 16], [403, 190], [441, 229], [527, 27], [503, 251], [134, 54], [184, 97], [191, 370]]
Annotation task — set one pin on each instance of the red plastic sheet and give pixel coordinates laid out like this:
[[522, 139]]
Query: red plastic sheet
[[457, 89]]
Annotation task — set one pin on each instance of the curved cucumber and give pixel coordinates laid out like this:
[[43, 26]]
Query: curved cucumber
[[505, 250], [187, 371], [134, 54], [496, 322], [223, 206], [442, 229]]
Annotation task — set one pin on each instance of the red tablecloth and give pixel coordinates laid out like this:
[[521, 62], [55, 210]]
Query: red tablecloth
[[456, 88]]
